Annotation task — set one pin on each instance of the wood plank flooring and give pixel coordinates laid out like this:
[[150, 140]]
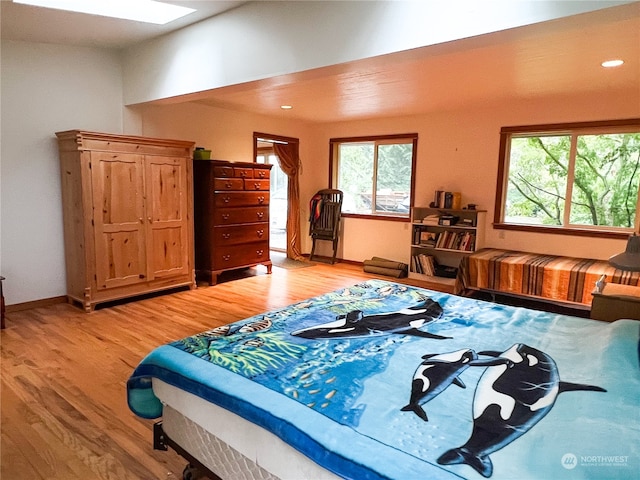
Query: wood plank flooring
[[64, 413]]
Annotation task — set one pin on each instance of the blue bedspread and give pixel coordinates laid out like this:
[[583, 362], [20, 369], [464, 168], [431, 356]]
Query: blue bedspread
[[382, 380]]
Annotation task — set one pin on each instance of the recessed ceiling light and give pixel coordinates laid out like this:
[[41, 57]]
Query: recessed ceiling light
[[612, 63], [148, 11], [286, 107]]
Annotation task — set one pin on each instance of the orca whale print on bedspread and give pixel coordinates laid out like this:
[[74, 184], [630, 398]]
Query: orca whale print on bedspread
[[509, 400], [405, 383], [355, 323], [437, 372]]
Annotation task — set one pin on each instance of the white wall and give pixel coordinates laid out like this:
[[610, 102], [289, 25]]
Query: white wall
[[45, 89], [458, 151]]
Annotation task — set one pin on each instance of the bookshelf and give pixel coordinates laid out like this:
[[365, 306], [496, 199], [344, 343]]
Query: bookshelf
[[442, 236]]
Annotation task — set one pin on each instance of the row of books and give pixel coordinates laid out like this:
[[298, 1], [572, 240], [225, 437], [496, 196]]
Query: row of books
[[447, 199], [447, 239], [424, 264], [456, 240], [428, 265]]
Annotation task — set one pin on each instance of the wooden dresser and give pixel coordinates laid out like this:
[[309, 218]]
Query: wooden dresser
[[231, 205], [128, 215]]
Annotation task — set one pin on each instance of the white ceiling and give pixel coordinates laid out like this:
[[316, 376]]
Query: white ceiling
[[550, 60], [43, 25]]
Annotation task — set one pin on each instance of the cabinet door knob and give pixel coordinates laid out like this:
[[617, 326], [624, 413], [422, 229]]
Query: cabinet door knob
[[149, 220]]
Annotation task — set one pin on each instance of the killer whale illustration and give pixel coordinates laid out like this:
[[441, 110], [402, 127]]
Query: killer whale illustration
[[509, 400], [356, 324], [437, 372]]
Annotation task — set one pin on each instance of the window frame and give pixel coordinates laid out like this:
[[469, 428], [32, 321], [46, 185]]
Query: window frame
[[334, 144], [579, 128]]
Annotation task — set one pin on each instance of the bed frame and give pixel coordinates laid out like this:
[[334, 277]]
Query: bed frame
[[194, 469]]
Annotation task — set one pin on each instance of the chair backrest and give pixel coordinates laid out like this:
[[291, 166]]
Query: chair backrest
[[326, 206]]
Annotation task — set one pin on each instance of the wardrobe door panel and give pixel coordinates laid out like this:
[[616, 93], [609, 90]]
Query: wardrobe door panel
[[118, 219], [167, 215]]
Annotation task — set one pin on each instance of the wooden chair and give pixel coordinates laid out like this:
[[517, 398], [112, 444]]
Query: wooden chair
[[324, 220]]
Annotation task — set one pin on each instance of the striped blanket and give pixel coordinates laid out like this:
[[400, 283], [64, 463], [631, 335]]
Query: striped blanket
[[551, 277]]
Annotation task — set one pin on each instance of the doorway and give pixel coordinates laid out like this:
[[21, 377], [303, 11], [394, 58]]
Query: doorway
[[279, 201]]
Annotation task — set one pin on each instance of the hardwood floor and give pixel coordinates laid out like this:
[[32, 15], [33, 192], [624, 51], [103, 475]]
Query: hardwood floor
[[64, 410]]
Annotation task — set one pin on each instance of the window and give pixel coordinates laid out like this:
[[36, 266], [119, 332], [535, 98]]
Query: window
[[376, 174], [576, 178]]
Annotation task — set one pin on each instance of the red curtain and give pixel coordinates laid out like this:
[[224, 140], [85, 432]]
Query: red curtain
[[289, 160]]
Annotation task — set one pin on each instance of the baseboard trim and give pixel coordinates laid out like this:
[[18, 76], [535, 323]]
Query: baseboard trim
[[326, 259], [44, 302]]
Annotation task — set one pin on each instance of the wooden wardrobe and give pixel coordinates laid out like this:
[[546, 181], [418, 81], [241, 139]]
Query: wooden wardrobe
[[128, 215]]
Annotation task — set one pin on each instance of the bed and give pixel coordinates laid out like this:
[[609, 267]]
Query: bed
[[388, 381]]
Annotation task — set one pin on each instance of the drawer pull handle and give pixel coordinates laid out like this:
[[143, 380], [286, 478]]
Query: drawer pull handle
[[261, 174], [260, 233], [259, 252], [228, 185], [226, 199], [261, 199], [256, 185], [243, 173], [225, 216], [226, 258], [260, 215], [226, 236]]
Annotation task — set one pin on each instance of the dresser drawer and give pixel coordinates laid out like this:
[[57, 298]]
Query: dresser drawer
[[239, 199], [222, 184], [241, 172], [234, 235], [240, 255], [231, 216], [254, 184], [262, 173], [223, 172]]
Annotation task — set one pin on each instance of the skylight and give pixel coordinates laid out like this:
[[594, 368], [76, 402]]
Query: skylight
[[148, 11]]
